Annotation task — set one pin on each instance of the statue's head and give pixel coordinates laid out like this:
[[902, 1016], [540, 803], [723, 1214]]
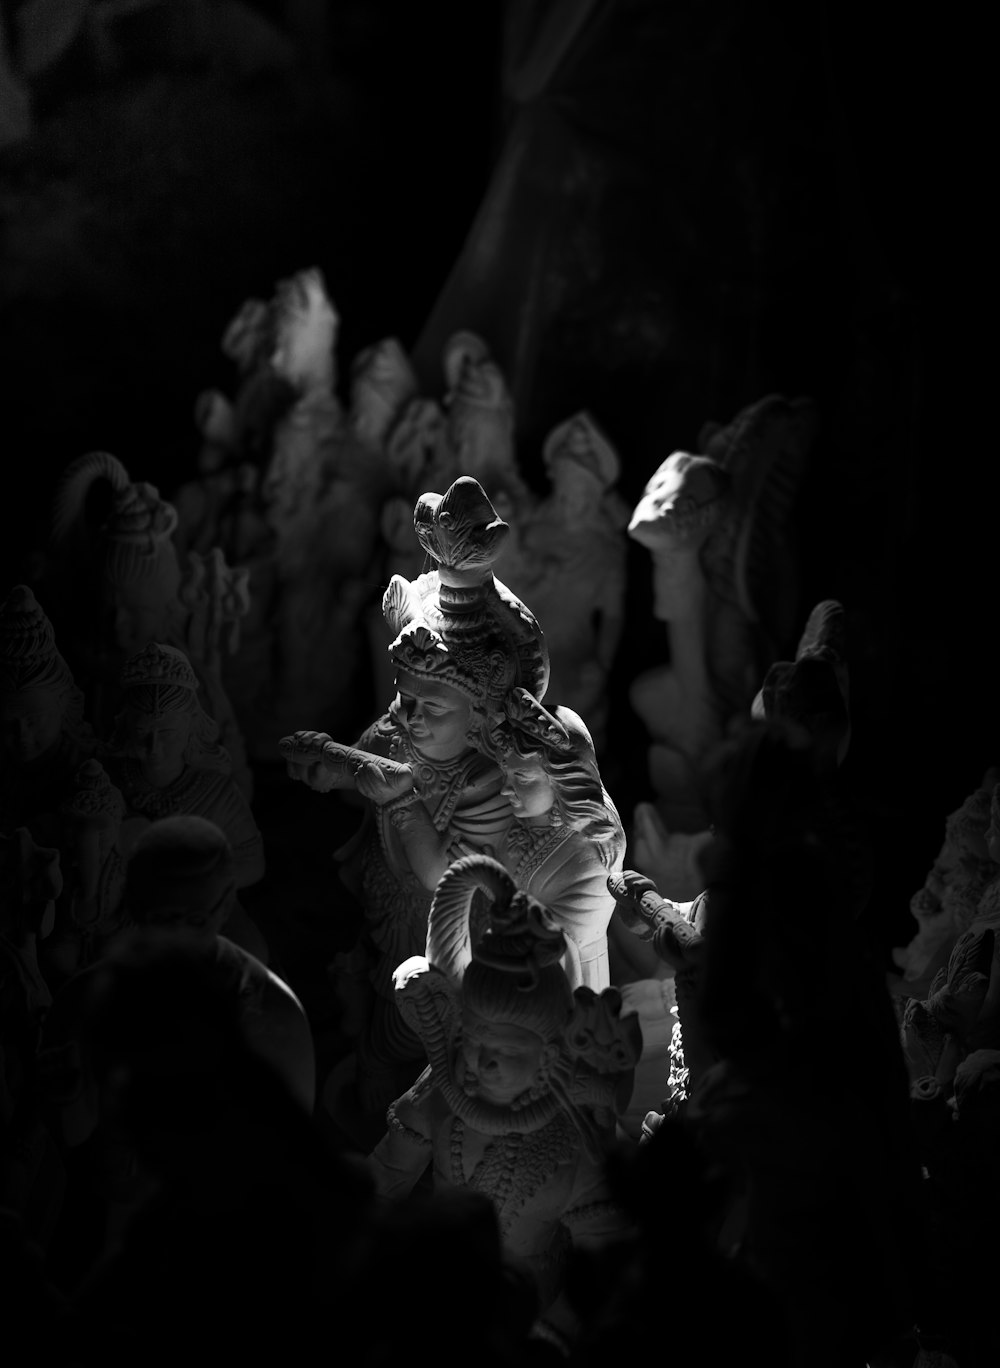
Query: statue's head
[[304, 323], [515, 1001], [448, 696], [581, 464], [129, 530], [683, 500], [38, 696], [181, 874], [382, 381], [511, 1032], [509, 1043], [551, 772], [161, 720]]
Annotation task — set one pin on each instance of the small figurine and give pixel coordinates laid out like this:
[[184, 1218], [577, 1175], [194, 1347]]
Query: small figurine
[[569, 565], [480, 423], [98, 841], [44, 735], [948, 902], [566, 837], [519, 1097], [714, 522], [382, 384], [120, 585], [165, 757]]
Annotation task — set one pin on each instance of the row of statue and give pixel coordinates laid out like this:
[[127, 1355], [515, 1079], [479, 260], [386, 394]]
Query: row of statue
[[531, 1009]]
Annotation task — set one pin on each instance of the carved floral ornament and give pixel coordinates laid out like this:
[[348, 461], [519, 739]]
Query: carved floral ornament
[[159, 664]]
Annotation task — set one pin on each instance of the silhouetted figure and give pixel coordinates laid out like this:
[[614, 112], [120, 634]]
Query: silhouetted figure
[[239, 1245]]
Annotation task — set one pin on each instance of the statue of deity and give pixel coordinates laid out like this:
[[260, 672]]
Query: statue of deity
[[723, 582], [480, 419], [44, 736], [427, 766], [566, 837], [119, 582], [164, 756], [520, 1095], [569, 564]]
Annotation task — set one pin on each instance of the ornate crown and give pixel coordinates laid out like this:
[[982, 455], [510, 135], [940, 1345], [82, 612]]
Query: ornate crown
[[478, 672], [527, 723], [95, 796], [158, 664]]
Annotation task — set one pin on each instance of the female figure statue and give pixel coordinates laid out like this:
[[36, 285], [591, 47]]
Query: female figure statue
[[164, 756], [519, 1098], [566, 837]]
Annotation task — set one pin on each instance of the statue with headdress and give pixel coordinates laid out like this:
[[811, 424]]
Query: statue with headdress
[[461, 641], [716, 524], [523, 1083], [569, 564], [45, 734], [165, 757], [566, 837], [119, 584]]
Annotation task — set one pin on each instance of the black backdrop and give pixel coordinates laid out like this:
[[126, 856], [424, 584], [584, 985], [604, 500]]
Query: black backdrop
[[162, 185]]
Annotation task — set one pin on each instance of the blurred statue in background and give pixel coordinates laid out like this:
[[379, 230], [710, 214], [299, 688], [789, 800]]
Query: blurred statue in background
[[724, 582], [118, 583]]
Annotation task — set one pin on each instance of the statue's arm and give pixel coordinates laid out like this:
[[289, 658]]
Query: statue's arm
[[405, 1150]]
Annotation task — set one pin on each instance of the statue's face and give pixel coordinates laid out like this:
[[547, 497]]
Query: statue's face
[[577, 490], [30, 724], [680, 502], [436, 717], [140, 614], [527, 786], [498, 1061], [157, 739]]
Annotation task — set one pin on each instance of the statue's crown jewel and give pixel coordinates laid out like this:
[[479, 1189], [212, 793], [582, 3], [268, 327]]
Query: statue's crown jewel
[[159, 664], [480, 674]]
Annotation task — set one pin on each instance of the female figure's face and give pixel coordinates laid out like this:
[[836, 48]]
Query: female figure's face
[[500, 1060], [527, 787], [158, 740], [30, 724], [436, 717]]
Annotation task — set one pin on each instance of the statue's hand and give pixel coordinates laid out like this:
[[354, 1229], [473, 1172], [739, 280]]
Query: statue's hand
[[654, 918], [637, 897], [303, 752], [382, 783]]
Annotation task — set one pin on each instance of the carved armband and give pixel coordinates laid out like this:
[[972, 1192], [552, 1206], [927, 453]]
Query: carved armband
[[400, 810]]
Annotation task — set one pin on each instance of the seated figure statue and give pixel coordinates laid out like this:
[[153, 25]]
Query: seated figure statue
[[426, 767], [520, 1095], [566, 837], [165, 758]]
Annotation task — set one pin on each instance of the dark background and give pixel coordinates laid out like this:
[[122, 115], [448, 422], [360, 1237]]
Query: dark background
[[795, 204]]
